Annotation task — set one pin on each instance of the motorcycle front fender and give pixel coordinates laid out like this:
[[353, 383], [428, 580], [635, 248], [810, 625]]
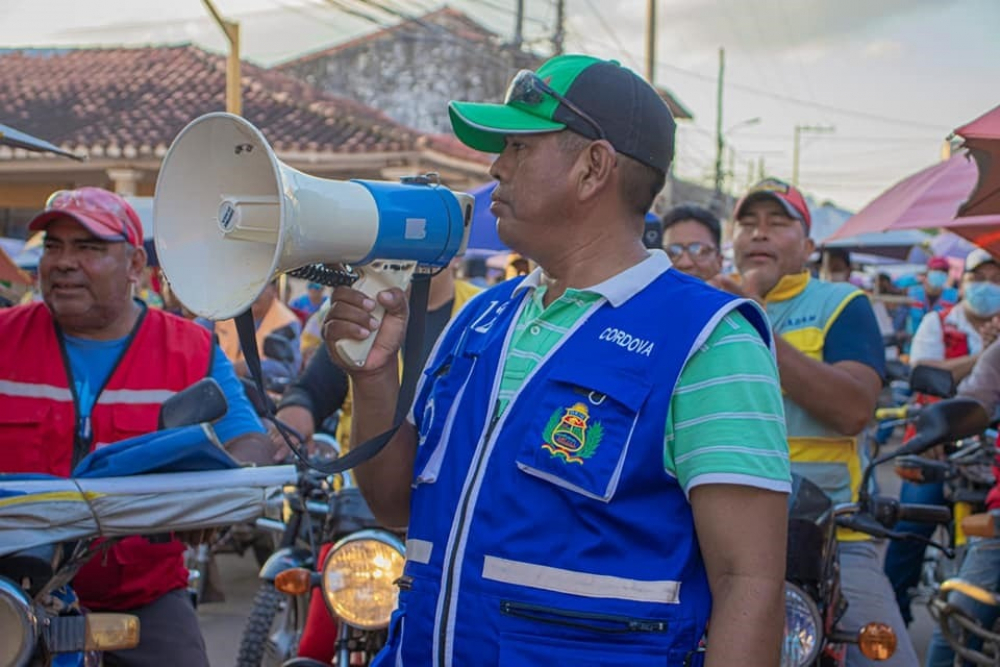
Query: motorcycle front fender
[[286, 559], [304, 662]]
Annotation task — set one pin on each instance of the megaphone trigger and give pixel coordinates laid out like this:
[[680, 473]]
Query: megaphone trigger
[[375, 277]]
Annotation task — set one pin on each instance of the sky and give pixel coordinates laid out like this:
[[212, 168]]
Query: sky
[[886, 81]]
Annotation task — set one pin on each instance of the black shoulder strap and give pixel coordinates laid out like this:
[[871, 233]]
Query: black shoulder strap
[[413, 346]]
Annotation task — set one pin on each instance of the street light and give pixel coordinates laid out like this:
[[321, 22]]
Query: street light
[[799, 129], [756, 120], [746, 123]]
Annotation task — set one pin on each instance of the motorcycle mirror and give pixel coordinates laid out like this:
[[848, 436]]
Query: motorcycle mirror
[[933, 381], [279, 348], [951, 419], [202, 402]]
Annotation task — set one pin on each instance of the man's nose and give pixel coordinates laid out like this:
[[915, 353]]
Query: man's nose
[[497, 169], [684, 262]]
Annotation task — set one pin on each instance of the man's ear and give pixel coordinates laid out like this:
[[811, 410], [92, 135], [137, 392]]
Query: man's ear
[[598, 161], [137, 262]]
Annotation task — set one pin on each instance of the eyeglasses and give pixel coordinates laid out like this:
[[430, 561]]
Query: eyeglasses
[[527, 88], [697, 251]]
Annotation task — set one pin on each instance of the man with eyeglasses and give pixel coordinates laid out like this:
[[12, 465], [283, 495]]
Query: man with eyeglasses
[[581, 481], [89, 366], [832, 364], [692, 236]]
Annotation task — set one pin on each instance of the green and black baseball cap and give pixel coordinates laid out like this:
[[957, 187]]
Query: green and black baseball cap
[[598, 99]]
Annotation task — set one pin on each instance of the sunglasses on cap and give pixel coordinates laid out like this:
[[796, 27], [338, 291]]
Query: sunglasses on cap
[[697, 251], [528, 88]]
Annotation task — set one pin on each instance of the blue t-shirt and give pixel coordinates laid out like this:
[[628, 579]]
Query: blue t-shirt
[[92, 361], [855, 336]]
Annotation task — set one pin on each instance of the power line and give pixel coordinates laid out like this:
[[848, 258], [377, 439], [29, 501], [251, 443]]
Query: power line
[[611, 33]]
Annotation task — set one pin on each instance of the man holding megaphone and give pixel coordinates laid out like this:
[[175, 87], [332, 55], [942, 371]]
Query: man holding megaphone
[[595, 464]]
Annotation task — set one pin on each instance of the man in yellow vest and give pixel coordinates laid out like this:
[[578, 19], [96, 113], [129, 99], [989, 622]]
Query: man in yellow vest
[[269, 315], [832, 362]]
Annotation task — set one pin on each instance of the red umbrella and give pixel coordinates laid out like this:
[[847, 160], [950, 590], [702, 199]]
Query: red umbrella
[[982, 138], [928, 198]]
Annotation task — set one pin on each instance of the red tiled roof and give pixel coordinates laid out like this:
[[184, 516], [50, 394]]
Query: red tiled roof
[[450, 145], [132, 102], [457, 24]]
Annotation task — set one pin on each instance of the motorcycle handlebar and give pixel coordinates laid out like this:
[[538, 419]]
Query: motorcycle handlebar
[[923, 513]]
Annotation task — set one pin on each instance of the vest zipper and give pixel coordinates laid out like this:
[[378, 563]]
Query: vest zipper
[[606, 623], [463, 516]]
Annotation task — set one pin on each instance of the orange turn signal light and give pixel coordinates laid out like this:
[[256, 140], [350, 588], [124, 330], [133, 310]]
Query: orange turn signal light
[[294, 581], [877, 641], [909, 473]]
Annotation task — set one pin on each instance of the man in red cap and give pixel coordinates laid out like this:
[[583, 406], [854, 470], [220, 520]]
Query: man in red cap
[[89, 366], [933, 294], [831, 362]]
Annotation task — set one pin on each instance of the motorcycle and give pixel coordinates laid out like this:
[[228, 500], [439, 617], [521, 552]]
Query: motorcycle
[[50, 526], [964, 469], [274, 626], [814, 605], [278, 374], [956, 625], [356, 578]]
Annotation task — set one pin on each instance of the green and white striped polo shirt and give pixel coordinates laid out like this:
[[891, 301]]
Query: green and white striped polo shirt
[[726, 420]]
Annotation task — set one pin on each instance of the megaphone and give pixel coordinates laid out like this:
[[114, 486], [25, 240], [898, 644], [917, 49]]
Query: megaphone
[[229, 217]]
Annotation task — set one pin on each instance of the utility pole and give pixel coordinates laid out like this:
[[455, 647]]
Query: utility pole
[[761, 171], [719, 141], [651, 42], [560, 32], [519, 24], [234, 96], [799, 130]]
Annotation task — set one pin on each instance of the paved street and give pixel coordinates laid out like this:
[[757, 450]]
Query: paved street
[[222, 623]]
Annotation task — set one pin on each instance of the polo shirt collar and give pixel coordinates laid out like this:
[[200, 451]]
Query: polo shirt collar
[[617, 289]]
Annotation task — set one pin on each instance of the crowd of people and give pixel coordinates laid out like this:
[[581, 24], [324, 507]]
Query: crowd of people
[[583, 430]]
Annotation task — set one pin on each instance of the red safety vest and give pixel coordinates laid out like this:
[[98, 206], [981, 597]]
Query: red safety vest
[[38, 428]]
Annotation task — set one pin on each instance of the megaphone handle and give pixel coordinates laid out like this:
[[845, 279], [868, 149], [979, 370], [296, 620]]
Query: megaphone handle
[[375, 277]]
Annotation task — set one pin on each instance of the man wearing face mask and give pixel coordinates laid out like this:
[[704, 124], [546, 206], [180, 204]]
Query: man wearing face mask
[[952, 340], [932, 295]]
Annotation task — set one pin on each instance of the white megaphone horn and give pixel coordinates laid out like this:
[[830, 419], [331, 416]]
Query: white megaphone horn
[[228, 217]]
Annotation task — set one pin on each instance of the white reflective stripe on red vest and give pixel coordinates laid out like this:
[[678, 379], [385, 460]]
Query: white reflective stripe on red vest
[[134, 396], [32, 390], [107, 397]]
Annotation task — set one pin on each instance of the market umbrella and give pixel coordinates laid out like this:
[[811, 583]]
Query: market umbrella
[[982, 139], [9, 271], [929, 198], [17, 139]]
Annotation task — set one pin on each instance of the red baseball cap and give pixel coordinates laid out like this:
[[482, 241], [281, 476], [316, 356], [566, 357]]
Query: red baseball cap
[[105, 214], [789, 197], [938, 264]]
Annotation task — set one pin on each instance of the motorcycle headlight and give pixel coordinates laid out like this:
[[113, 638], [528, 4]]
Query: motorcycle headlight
[[359, 577], [803, 629], [18, 626]]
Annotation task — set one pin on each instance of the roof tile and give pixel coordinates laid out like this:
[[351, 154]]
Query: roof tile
[[128, 101]]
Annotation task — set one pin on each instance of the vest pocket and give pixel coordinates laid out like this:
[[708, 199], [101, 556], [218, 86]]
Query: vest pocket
[[447, 381], [23, 437], [585, 420], [518, 650]]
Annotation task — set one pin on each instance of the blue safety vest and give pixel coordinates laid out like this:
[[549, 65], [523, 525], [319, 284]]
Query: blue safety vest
[[551, 534]]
